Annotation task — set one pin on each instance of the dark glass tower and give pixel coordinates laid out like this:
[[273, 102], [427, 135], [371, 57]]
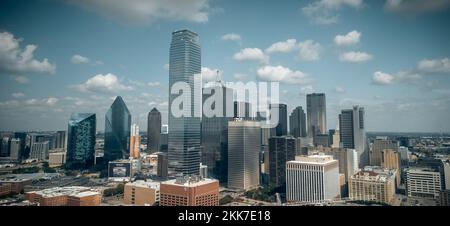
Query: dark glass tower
[[153, 131], [184, 135], [281, 128], [297, 122], [352, 133], [81, 141], [117, 131], [317, 114]]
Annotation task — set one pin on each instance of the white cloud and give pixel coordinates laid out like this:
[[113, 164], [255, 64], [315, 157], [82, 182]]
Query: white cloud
[[153, 84], [141, 12], [17, 95], [20, 79], [348, 39], [13, 59], [231, 37], [209, 74], [325, 12], [102, 83], [283, 47], [415, 7], [339, 89], [381, 78], [307, 89], [283, 74], [355, 57], [434, 65], [251, 54], [78, 59], [309, 50], [240, 77], [51, 101]]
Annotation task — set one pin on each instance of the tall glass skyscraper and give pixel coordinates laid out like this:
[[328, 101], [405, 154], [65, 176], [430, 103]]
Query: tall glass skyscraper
[[297, 122], [352, 133], [81, 140], [281, 128], [316, 110], [184, 135], [153, 131], [117, 131]]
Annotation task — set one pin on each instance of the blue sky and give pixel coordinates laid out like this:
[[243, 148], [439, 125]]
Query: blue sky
[[392, 57]]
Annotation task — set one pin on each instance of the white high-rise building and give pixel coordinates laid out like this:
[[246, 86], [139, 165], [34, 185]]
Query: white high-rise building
[[312, 179], [39, 150], [244, 142], [423, 182]]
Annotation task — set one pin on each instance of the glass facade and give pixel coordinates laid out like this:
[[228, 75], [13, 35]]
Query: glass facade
[[184, 135], [81, 140], [153, 131], [117, 131]]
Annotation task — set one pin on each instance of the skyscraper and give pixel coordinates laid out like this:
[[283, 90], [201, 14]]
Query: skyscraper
[[380, 144], [39, 150], [4, 148], [281, 128], [184, 135], [297, 122], [153, 131], [352, 134], [60, 140], [81, 140], [214, 137], [242, 110], [281, 150], [244, 142], [14, 149], [134, 141], [316, 110], [117, 131]]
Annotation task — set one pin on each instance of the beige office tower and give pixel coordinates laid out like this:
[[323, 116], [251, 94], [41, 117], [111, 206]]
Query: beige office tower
[[391, 160], [373, 184], [134, 141], [141, 193], [244, 142], [380, 144], [312, 179]]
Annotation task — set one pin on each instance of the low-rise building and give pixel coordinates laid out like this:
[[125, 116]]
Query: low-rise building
[[190, 191], [423, 182], [142, 193], [65, 196], [373, 184]]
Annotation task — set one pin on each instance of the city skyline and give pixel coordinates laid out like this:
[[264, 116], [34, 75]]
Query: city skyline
[[81, 65]]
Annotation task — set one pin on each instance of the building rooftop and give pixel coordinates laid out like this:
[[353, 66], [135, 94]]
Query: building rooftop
[[145, 184], [374, 175], [189, 183], [77, 191], [85, 194], [314, 159]]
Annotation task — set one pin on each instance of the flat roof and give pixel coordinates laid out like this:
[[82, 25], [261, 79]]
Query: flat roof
[[314, 159], [190, 184], [145, 184]]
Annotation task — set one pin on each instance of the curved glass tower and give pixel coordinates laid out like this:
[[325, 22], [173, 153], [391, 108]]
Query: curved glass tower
[[184, 134], [81, 140], [117, 131]]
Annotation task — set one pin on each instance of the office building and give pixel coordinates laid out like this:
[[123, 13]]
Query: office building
[[184, 136], [4, 147], [372, 184], [39, 151], [297, 122], [57, 159], [163, 139], [391, 160], [352, 133], [281, 150], [242, 110], [65, 196], [321, 140], [282, 127], [380, 144], [446, 166], [214, 137], [316, 114], [17, 185], [60, 140], [244, 145], [117, 131], [14, 149], [162, 165], [134, 141], [81, 140], [190, 191], [203, 171], [141, 193], [423, 182], [444, 198], [312, 179], [153, 131]]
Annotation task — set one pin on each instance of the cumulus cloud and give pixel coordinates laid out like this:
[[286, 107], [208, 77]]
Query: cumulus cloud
[[309, 50], [254, 54], [381, 78], [153, 84], [102, 83], [141, 12], [283, 47], [20, 79], [348, 39], [416, 7], [355, 57], [434, 65], [18, 95], [283, 74], [78, 59], [13, 59], [307, 89], [325, 12], [209, 74], [231, 37]]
